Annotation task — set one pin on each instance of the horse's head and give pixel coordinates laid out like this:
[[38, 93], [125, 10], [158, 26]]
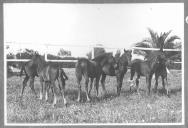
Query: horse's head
[[162, 58], [128, 55], [156, 59], [124, 59], [37, 59]]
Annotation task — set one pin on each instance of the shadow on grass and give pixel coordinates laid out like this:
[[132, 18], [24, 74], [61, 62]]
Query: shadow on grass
[[173, 91], [73, 94]]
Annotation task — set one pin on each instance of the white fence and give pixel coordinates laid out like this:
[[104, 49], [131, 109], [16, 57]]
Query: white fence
[[46, 47]]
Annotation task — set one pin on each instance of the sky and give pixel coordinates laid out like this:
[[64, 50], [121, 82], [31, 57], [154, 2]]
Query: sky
[[112, 25]]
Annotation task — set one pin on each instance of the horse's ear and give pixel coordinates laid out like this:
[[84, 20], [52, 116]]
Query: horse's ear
[[124, 50]]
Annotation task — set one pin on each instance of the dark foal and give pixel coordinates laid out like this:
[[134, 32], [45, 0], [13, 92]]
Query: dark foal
[[162, 72], [30, 69], [122, 62], [92, 69], [48, 74], [155, 63]]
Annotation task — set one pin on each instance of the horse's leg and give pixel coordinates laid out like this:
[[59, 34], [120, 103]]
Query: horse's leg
[[131, 78], [47, 89], [97, 85], [137, 84], [156, 82], [121, 81], [54, 92], [79, 78], [24, 84], [103, 83], [61, 84], [118, 78], [86, 86], [91, 83], [31, 84], [148, 81], [165, 82], [41, 91]]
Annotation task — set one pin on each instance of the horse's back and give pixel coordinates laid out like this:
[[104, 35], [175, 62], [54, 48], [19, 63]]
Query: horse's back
[[85, 66], [49, 73], [141, 67]]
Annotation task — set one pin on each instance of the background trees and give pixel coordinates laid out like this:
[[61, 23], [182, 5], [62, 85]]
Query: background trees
[[162, 40], [63, 52]]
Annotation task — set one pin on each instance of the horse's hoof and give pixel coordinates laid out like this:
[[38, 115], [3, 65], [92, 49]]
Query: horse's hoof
[[78, 100], [66, 105], [88, 100], [54, 106], [167, 93]]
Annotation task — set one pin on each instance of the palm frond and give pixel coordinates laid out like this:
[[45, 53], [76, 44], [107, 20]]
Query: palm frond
[[165, 35], [177, 45], [169, 45], [154, 36], [143, 44], [172, 38], [162, 38]]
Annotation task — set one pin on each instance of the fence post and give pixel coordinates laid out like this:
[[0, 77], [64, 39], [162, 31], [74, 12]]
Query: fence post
[[46, 53]]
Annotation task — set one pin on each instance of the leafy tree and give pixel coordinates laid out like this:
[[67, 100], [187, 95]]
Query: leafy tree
[[162, 40], [63, 52], [26, 54]]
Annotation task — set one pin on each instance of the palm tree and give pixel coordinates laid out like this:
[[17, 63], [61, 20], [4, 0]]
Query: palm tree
[[159, 41]]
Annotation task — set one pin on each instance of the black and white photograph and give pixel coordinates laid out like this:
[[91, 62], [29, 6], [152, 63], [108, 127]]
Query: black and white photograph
[[93, 64]]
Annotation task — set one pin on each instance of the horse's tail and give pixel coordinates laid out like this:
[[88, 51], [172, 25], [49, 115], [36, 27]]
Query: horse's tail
[[63, 74], [61, 77]]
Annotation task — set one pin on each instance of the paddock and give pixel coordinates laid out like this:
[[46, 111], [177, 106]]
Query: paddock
[[129, 107]]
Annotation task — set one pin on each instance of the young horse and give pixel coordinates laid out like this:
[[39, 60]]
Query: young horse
[[162, 71], [155, 63], [30, 69], [92, 69], [48, 74], [122, 62]]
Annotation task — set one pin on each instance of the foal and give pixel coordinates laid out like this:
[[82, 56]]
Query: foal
[[154, 64], [93, 70], [49, 83]]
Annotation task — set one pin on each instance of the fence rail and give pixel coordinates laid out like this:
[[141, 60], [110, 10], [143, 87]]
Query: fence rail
[[155, 49], [46, 45]]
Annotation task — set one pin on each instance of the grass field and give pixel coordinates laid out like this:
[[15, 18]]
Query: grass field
[[129, 107]]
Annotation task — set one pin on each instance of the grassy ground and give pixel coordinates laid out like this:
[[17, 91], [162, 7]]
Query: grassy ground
[[129, 107]]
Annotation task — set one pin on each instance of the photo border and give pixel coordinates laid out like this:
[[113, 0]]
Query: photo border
[[184, 82]]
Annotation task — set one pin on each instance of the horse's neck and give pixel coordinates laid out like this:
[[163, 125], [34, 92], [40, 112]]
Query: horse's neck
[[41, 66]]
